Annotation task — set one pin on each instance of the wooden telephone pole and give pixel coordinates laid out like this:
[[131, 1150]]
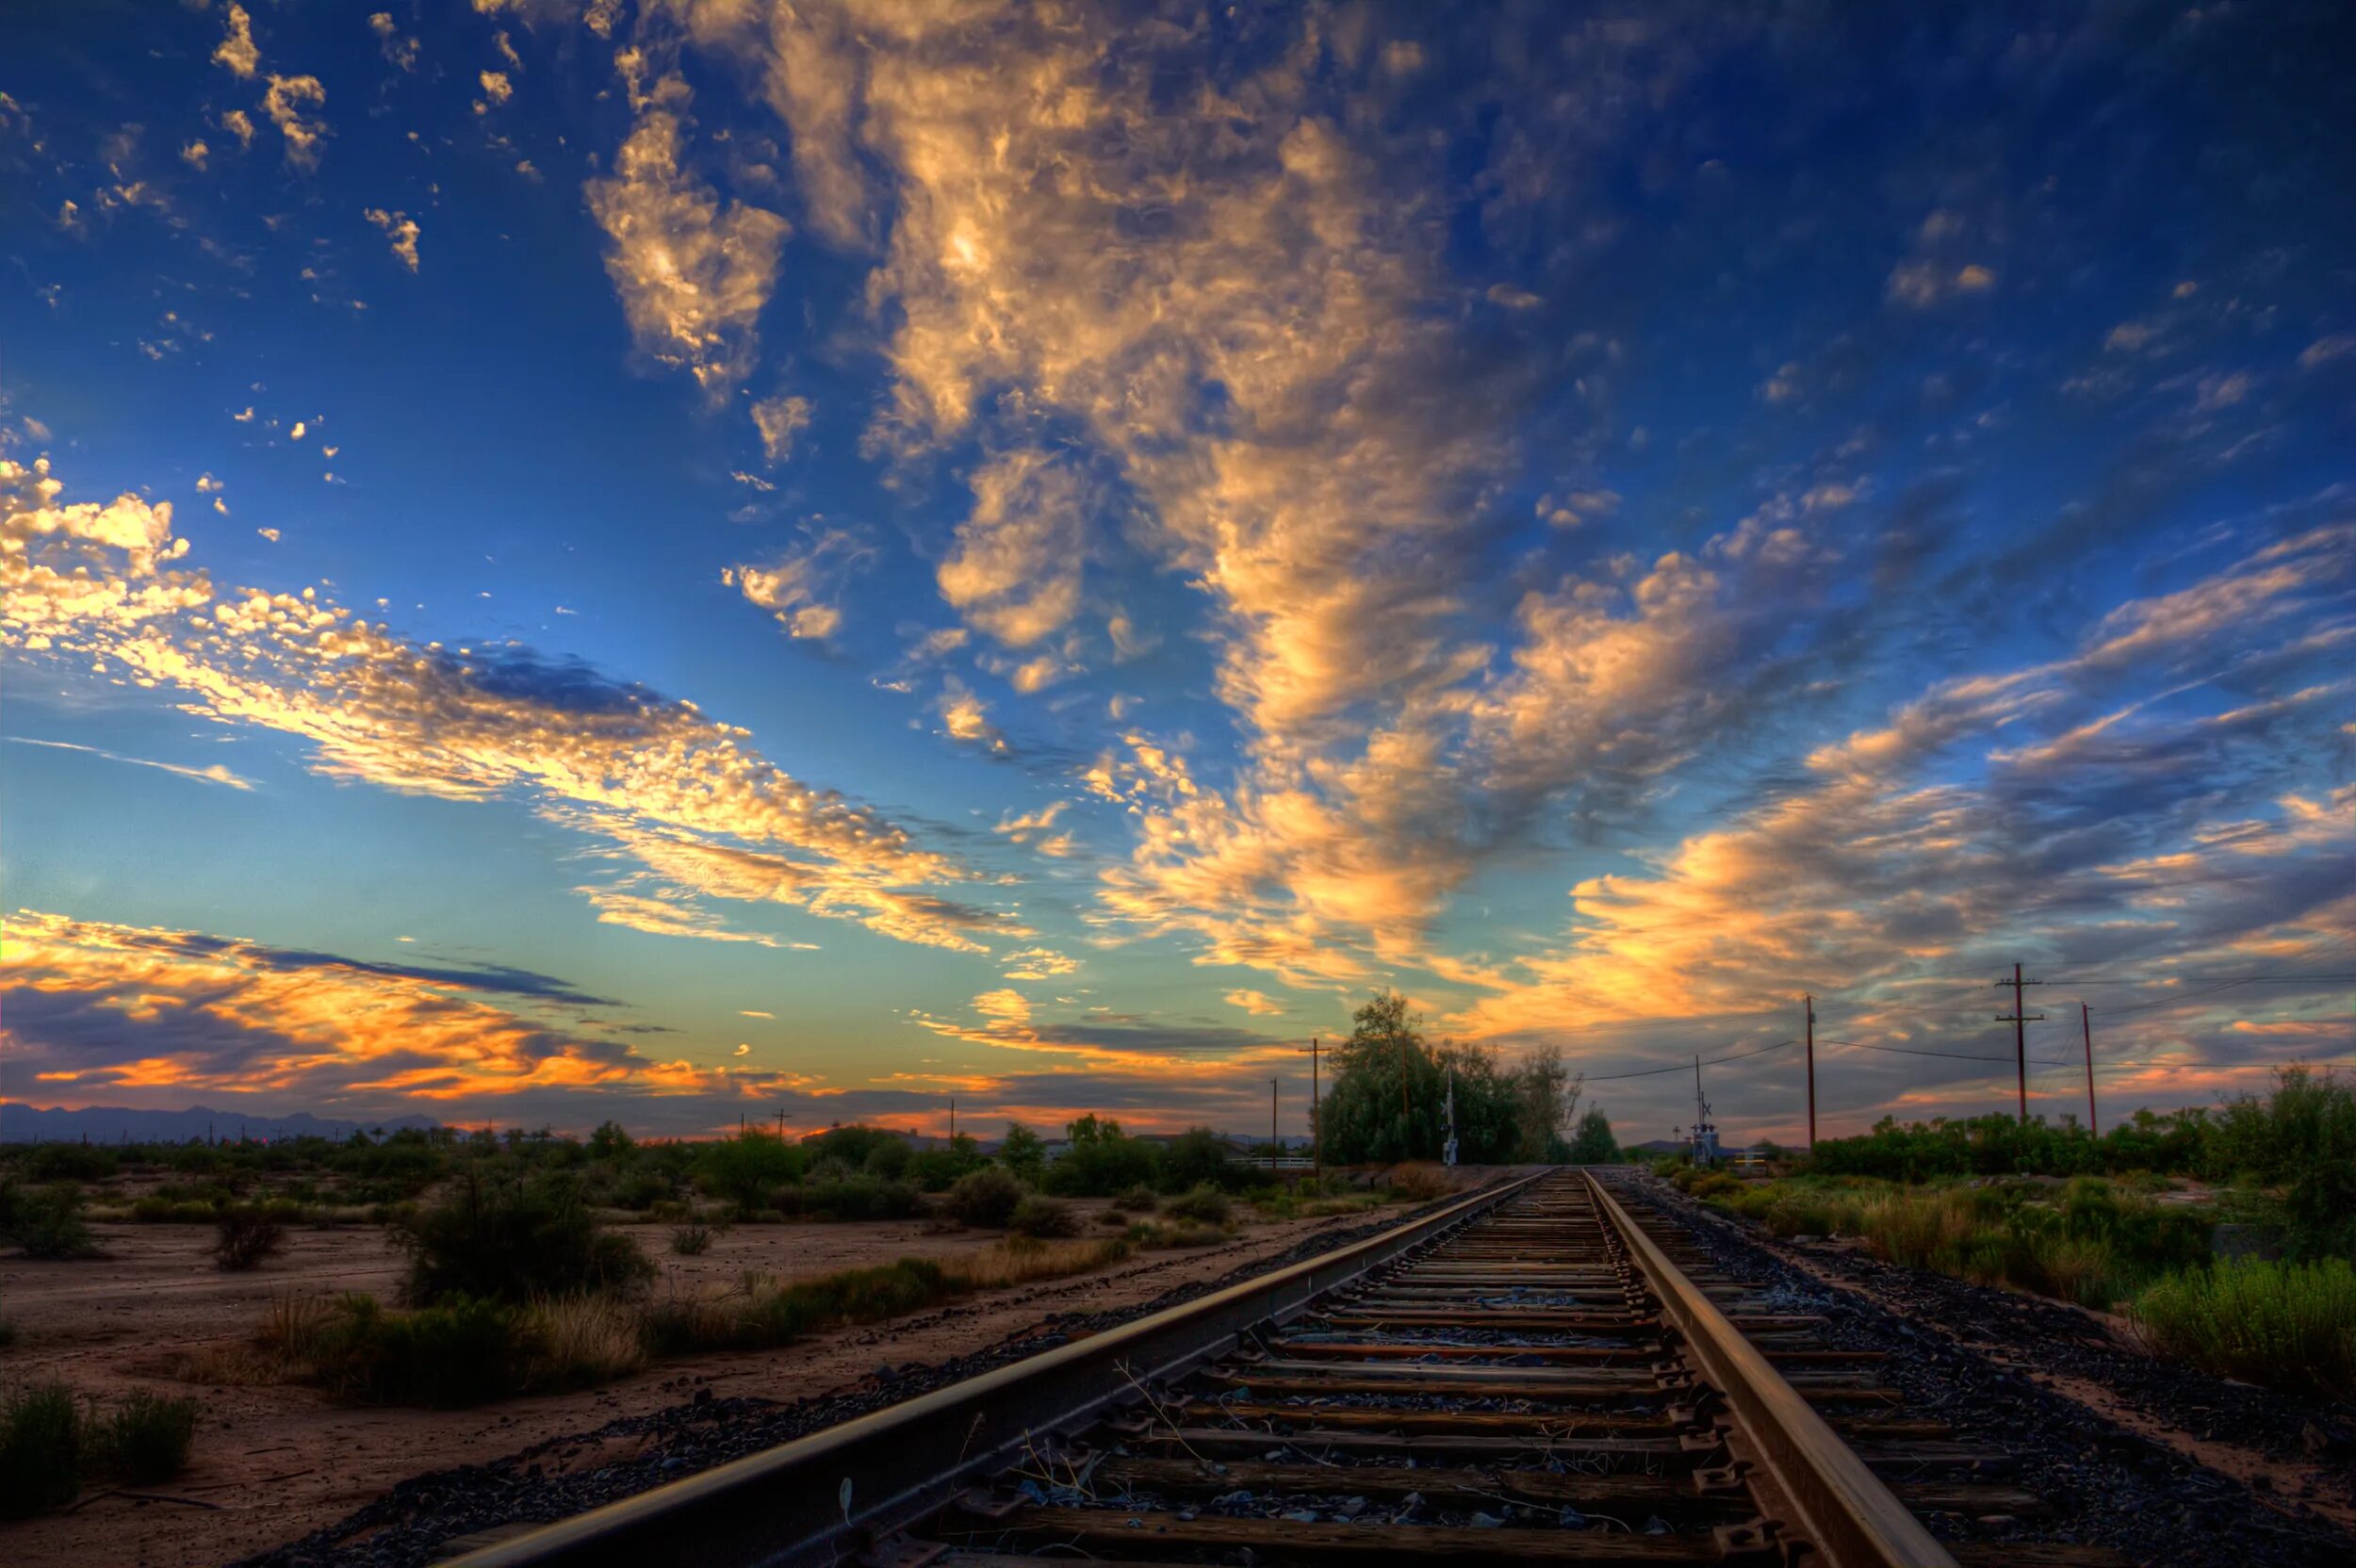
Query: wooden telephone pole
[[1272, 1144], [1317, 1132], [1809, 1002], [2085, 1024], [2020, 1019]]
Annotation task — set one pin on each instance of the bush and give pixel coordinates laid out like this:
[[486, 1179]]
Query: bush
[[146, 1440], [1419, 1184], [69, 1162], [985, 1198], [1041, 1216], [691, 1241], [512, 1239], [41, 1451], [2287, 1324], [745, 1170], [851, 1198], [47, 1223], [246, 1236], [1137, 1200], [463, 1351], [1206, 1205]]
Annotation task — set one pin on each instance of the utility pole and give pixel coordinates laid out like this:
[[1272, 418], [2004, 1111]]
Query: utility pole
[[1809, 1001], [1317, 1129], [1272, 1144], [953, 1122], [2086, 1024], [2020, 1019]]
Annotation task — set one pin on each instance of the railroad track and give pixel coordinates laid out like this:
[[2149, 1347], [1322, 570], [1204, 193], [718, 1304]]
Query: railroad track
[[1544, 1372]]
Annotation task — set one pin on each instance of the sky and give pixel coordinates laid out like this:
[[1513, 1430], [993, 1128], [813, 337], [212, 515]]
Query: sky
[[699, 559]]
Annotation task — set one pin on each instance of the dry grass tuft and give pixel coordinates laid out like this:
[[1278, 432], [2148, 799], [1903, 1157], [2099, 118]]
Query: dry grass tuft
[[589, 1339], [1019, 1260]]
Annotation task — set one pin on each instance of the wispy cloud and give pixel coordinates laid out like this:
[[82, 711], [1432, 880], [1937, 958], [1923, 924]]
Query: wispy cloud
[[217, 773]]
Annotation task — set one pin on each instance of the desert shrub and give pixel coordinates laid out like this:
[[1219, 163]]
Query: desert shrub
[[155, 1209], [1323, 1208], [1137, 1200], [2287, 1324], [1042, 1217], [1418, 1183], [745, 1170], [512, 1239], [245, 1237], [1716, 1184], [146, 1438], [69, 1162], [1206, 1205], [463, 1350], [582, 1340], [1108, 1217], [851, 1198], [691, 1240], [640, 1189], [41, 1449], [938, 1170], [985, 1198], [2301, 1140], [47, 1223]]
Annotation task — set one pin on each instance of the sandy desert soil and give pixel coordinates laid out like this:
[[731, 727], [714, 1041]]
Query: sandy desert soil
[[272, 1463]]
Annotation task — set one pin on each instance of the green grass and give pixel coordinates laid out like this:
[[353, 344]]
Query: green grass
[[50, 1442], [146, 1439], [2286, 1325], [41, 1451], [2092, 1242]]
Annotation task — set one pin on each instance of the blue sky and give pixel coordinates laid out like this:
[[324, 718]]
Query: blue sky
[[675, 559]]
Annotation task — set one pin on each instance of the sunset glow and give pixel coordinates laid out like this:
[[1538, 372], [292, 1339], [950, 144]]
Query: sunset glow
[[698, 558]]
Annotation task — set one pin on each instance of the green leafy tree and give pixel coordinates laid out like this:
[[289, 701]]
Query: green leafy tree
[[1384, 1102], [1194, 1159], [1547, 1101], [1594, 1144], [609, 1141], [1089, 1127], [1023, 1152], [747, 1168]]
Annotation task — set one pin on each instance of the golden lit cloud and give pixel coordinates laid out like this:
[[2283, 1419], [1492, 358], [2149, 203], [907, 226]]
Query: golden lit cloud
[[656, 780], [692, 271]]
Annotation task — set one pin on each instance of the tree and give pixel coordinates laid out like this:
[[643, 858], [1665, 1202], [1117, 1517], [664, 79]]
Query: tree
[[1594, 1143], [1023, 1152], [1194, 1158], [1385, 1103], [1088, 1128], [610, 1140], [1546, 1098]]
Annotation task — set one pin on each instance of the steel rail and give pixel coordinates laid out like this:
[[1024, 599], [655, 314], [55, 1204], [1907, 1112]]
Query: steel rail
[[1815, 1483], [825, 1497]]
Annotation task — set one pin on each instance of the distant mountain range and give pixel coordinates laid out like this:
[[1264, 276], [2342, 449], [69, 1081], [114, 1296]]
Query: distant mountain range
[[22, 1123]]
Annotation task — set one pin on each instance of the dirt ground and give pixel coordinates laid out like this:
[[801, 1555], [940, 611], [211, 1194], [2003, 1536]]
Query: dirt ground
[[272, 1463]]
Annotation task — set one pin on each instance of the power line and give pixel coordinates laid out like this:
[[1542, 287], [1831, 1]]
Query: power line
[[1951, 1056], [1688, 1067]]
